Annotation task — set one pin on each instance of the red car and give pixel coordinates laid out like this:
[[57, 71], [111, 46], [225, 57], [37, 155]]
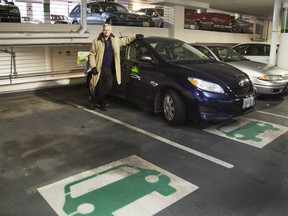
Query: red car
[[213, 21]]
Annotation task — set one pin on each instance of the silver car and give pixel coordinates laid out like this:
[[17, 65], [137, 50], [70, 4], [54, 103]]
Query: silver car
[[267, 79]]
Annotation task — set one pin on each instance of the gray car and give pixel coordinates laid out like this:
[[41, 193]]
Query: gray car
[[113, 13], [267, 79], [155, 13]]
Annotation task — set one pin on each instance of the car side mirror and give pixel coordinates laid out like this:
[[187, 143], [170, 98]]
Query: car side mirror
[[145, 58], [11, 3]]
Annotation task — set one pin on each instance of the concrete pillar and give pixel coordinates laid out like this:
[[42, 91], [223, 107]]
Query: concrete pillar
[[29, 9], [282, 53], [274, 38], [46, 10], [176, 21]]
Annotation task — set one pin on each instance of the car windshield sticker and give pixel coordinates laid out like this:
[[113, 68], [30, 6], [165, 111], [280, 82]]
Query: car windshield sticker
[[248, 131], [134, 70], [130, 186]]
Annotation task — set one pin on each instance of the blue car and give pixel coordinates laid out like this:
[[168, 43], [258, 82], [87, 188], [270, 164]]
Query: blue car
[[182, 83]]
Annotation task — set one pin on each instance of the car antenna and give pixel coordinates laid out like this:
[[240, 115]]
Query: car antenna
[[120, 35]]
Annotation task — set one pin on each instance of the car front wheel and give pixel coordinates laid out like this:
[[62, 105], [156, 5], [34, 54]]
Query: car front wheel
[[174, 109]]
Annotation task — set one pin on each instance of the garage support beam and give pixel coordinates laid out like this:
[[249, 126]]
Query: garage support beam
[[282, 54], [176, 21], [274, 38]]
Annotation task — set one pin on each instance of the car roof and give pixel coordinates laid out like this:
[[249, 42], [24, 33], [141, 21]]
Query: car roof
[[230, 45], [164, 39]]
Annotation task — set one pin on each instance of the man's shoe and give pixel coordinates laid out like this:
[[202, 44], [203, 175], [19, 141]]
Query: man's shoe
[[92, 104], [103, 107]]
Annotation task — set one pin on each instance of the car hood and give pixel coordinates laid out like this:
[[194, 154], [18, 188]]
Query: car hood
[[253, 67], [216, 72], [7, 7]]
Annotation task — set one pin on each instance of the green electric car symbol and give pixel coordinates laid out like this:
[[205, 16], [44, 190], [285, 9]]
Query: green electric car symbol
[[126, 184], [250, 131]]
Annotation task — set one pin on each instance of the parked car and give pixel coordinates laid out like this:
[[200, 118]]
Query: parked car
[[27, 19], [110, 12], [259, 52], [156, 14], [267, 79], [172, 77], [190, 24], [59, 19], [244, 26], [213, 21], [9, 12]]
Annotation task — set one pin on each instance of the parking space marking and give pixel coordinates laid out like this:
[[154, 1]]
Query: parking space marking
[[154, 136], [273, 114], [249, 131], [130, 186]]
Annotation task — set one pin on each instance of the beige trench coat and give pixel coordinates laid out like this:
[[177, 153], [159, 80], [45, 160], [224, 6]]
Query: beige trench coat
[[97, 53]]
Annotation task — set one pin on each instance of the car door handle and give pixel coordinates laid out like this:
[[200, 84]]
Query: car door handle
[[134, 76]]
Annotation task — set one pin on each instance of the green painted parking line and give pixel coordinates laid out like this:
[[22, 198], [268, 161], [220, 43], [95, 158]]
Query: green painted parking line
[[249, 131], [131, 186]]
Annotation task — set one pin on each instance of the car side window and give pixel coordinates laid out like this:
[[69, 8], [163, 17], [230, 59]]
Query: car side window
[[94, 8], [242, 49], [76, 10], [205, 51], [138, 49], [267, 50]]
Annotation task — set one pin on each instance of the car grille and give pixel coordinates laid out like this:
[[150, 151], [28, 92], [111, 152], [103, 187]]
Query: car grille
[[243, 88], [243, 91], [6, 16]]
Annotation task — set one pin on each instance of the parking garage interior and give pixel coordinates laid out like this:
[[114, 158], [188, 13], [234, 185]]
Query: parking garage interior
[[57, 153]]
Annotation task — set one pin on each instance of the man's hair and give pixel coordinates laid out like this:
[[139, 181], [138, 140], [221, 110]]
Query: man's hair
[[107, 25]]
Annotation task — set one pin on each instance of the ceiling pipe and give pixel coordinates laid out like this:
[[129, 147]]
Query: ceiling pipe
[[81, 32]]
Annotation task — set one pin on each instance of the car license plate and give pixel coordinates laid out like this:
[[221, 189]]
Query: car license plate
[[146, 24], [248, 102]]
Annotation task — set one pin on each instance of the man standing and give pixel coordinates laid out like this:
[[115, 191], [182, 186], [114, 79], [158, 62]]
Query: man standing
[[104, 59]]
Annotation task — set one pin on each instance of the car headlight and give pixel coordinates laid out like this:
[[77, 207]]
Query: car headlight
[[205, 85], [14, 10], [270, 78]]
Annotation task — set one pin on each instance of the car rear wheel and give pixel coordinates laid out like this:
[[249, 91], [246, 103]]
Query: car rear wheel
[[174, 109]]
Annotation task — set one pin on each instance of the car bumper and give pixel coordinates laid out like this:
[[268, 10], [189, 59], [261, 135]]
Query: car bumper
[[271, 89], [215, 107]]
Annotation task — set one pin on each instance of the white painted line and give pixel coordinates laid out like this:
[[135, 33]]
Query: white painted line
[[154, 136], [267, 113]]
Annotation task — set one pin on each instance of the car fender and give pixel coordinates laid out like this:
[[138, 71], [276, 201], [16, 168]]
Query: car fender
[[162, 88]]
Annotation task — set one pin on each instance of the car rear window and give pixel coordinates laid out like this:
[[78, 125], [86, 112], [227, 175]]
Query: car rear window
[[113, 7]]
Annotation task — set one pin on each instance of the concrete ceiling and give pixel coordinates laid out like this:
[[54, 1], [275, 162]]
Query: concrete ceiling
[[262, 8], [249, 7]]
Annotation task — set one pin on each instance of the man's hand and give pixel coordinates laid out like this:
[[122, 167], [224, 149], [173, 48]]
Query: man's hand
[[139, 36], [94, 71]]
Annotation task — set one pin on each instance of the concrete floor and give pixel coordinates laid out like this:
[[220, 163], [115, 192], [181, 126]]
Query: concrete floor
[[50, 135]]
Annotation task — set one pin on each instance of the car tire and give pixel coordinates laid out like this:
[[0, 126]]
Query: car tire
[[75, 22], [174, 108]]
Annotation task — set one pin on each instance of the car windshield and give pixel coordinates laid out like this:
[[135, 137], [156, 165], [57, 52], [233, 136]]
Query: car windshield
[[108, 7], [227, 54], [177, 51]]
